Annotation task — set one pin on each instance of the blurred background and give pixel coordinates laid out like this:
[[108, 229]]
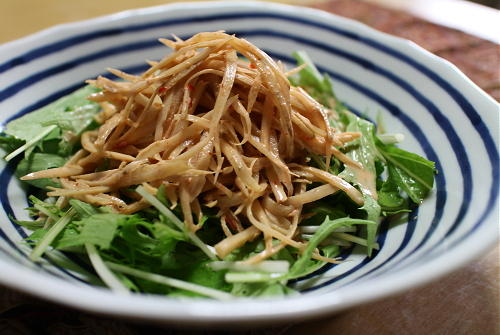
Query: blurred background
[[467, 33], [22, 17], [491, 3], [466, 302]]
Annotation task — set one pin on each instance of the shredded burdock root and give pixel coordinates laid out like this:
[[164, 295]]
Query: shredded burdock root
[[215, 130]]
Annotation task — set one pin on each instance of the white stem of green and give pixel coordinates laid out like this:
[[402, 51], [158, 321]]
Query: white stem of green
[[251, 277], [51, 235], [264, 266], [103, 271], [45, 211], [161, 207], [48, 223], [354, 239], [208, 250], [391, 138], [60, 259], [31, 142], [180, 284]]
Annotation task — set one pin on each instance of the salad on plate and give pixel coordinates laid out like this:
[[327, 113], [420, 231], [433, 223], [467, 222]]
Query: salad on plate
[[217, 172]]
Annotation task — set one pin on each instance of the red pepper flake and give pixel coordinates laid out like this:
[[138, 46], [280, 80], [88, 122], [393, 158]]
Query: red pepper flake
[[121, 145], [231, 222], [162, 89], [152, 160], [190, 87], [252, 66]]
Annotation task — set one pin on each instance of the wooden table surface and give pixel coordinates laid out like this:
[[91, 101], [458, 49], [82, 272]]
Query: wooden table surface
[[466, 301]]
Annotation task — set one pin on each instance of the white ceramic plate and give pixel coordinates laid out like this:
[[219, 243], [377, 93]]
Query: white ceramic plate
[[444, 116]]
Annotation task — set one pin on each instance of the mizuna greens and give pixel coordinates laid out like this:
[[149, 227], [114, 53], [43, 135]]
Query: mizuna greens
[[209, 174]]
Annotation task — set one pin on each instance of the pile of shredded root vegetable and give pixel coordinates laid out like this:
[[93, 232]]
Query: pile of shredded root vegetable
[[216, 130]]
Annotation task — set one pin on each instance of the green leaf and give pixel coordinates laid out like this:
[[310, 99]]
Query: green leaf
[[321, 210], [365, 152], [9, 143], [31, 225], [372, 209], [312, 265], [165, 232], [161, 195], [202, 275], [261, 290], [51, 235], [45, 207], [72, 112], [97, 229], [182, 259], [36, 236], [411, 172], [37, 162], [100, 229], [69, 237], [172, 217], [173, 282], [388, 195], [83, 209], [390, 198], [319, 86], [139, 235], [298, 269]]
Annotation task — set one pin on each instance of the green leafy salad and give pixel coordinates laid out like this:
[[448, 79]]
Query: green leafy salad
[[215, 173]]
